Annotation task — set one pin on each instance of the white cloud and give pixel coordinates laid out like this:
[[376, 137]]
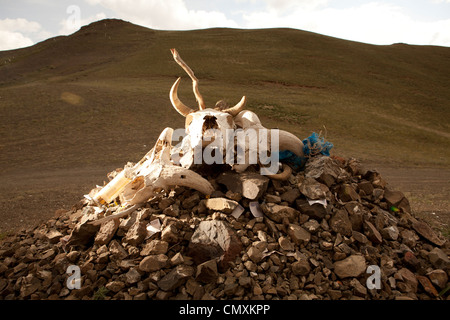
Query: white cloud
[[281, 6], [377, 23], [18, 33], [165, 15], [73, 23], [13, 40]]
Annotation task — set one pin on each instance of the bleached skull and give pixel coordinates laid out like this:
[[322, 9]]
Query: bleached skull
[[202, 125]]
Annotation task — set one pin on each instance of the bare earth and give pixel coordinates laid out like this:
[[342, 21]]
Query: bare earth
[[30, 198]]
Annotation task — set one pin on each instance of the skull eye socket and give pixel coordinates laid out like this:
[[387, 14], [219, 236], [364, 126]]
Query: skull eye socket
[[210, 123]]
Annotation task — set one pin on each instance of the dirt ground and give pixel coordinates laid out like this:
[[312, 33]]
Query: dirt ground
[[28, 198]]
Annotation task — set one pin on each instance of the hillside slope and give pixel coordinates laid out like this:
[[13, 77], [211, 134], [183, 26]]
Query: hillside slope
[[100, 97]]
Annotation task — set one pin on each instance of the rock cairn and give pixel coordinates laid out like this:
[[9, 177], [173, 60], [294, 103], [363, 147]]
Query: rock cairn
[[322, 234]]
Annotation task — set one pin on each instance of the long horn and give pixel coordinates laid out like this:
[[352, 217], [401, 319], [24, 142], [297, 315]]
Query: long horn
[[237, 108], [198, 96], [288, 141], [179, 176], [182, 109]]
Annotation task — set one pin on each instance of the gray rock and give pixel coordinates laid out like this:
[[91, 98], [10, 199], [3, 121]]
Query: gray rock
[[390, 233], [397, 199], [393, 198], [311, 226], [214, 239], [346, 193], [132, 276], [271, 198], [352, 266], [173, 210], [340, 223], [176, 277], [312, 189], [82, 234], [117, 251], [439, 259], [285, 244], [170, 234], [255, 254], [207, 271], [358, 236], [221, 204], [372, 233], [278, 212], [314, 211], [291, 195], [176, 259], [301, 268], [298, 234], [425, 231], [250, 184], [155, 247], [438, 277], [29, 285], [191, 201], [323, 169], [137, 233], [358, 289], [408, 278], [366, 187], [53, 236], [355, 214], [153, 263], [409, 237], [115, 286], [107, 231]]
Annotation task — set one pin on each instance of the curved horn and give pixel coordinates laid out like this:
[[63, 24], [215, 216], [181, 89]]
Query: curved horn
[[178, 176], [198, 96], [282, 175], [288, 141], [176, 103], [237, 108]]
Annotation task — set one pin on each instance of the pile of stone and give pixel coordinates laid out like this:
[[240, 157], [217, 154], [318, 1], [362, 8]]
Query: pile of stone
[[333, 231]]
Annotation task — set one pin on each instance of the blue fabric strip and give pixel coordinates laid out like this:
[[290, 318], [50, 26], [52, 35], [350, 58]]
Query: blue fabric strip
[[312, 146]]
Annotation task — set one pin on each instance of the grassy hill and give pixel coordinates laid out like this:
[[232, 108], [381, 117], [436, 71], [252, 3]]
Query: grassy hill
[[100, 96], [92, 101]]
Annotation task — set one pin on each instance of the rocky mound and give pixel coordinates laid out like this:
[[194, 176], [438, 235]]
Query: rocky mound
[[333, 231]]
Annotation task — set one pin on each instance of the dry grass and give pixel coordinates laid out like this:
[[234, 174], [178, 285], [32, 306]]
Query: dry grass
[[100, 97]]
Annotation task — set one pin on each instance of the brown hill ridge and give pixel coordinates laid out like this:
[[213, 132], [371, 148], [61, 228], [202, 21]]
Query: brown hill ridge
[[91, 100], [278, 245]]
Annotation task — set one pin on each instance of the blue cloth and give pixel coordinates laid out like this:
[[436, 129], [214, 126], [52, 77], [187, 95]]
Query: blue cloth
[[312, 146]]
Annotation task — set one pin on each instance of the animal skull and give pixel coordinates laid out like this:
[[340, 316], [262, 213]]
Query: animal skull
[[156, 171], [199, 123]]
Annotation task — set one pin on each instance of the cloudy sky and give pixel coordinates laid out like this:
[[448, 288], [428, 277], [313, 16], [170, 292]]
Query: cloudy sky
[[424, 22]]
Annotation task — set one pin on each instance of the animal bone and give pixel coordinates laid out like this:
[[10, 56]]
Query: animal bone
[[198, 122], [198, 96], [248, 120], [154, 173], [181, 107]]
